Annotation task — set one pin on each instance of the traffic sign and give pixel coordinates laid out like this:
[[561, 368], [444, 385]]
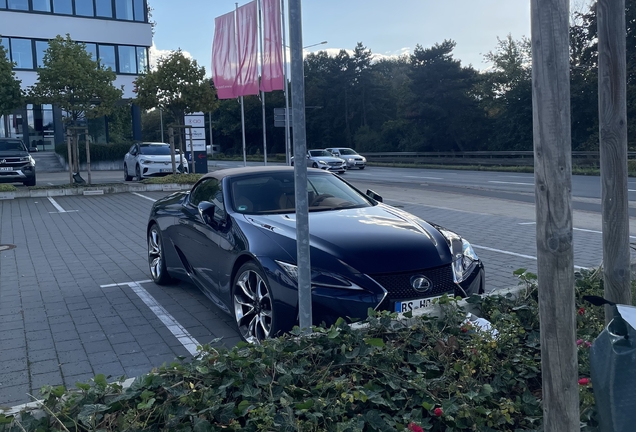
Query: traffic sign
[[279, 117]]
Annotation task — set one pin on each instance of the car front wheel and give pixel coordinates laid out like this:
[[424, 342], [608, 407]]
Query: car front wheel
[[156, 261], [126, 176], [138, 173], [253, 304]]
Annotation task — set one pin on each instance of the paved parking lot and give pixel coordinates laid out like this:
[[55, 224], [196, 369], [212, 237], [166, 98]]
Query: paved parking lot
[[75, 299]]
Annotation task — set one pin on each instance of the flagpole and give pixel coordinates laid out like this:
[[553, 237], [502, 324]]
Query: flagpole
[[260, 33], [241, 82], [285, 89]]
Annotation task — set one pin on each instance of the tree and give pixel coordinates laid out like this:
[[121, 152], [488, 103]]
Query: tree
[[177, 86], [77, 84], [11, 96]]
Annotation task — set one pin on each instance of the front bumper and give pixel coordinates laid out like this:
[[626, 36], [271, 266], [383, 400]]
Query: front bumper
[[333, 167], [17, 175], [353, 163], [160, 169]]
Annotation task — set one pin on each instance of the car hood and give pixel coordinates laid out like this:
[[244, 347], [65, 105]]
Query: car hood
[[372, 240], [327, 158], [13, 153], [158, 158]]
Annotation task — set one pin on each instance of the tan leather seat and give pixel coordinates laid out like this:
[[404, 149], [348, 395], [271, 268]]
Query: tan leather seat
[[287, 201]]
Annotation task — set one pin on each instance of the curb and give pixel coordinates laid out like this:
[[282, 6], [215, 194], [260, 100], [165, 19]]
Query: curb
[[94, 190]]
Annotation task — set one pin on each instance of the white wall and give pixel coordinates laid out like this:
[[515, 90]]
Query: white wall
[[45, 26], [29, 78]]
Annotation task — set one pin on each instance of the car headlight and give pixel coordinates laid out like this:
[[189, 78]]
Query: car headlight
[[463, 254], [364, 159], [319, 278], [322, 162]]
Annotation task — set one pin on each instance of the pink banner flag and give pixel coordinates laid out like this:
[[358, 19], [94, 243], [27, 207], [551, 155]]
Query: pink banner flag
[[247, 24], [272, 68], [224, 56]]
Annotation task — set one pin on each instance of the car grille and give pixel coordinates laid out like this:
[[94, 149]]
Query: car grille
[[398, 285], [12, 162], [335, 163]]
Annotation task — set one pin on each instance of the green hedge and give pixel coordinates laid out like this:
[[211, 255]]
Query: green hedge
[[424, 374], [99, 152]]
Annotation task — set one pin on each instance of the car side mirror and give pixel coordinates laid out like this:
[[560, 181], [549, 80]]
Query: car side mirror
[[308, 156], [374, 195], [211, 214], [33, 150]]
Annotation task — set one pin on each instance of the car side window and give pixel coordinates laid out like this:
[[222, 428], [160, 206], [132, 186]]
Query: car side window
[[208, 190]]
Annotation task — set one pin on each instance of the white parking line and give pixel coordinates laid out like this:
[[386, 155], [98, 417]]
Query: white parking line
[[516, 254], [182, 335], [527, 223], [59, 207], [512, 183], [428, 178], [144, 196], [575, 229]]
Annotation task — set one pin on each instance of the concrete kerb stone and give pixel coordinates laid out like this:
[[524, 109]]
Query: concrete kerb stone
[[434, 311], [91, 190]]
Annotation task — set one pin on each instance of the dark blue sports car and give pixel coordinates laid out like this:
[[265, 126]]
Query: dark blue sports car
[[234, 236]]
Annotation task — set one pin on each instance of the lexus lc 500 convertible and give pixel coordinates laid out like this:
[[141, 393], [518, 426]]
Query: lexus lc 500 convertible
[[233, 235]]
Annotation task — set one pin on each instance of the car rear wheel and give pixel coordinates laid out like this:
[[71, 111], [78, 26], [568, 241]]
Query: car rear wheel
[[315, 165], [253, 304], [126, 176], [362, 167], [156, 260]]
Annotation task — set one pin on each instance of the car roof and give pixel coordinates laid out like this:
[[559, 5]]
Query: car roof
[[231, 172], [148, 144]]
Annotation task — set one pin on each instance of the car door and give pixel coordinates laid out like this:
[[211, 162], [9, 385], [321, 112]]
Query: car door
[[129, 160], [310, 161], [198, 240]]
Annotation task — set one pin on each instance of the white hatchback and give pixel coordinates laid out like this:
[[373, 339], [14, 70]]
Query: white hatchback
[[151, 160]]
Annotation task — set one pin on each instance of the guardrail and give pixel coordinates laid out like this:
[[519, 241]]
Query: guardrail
[[503, 158]]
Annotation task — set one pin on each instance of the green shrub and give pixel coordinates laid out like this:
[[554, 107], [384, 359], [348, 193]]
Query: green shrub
[[7, 188], [99, 152], [174, 178]]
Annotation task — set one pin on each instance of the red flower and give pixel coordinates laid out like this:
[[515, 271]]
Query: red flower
[[581, 311], [415, 428], [584, 381], [438, 412], [464, 330]]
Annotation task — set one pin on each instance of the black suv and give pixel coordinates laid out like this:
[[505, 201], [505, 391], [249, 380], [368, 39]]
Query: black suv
[[16, 164]]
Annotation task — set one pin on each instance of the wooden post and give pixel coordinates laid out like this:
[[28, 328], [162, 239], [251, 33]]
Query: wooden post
[[171, 141], [88, 157], [612, 108], [553, 184], [70, 158]]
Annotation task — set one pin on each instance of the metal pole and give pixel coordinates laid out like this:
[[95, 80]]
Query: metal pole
[[260, 32], [553, 184], [243, 131], [193, 170], [211, 137], [286, 89], [88, 156], [300, 169], [171, 140], [161, 119], [70, 157]]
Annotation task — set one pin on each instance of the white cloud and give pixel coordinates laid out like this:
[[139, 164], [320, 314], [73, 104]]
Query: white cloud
[[156, 54]]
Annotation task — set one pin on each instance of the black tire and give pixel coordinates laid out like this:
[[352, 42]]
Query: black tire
[[254, 305], [156, 261], [362, 167], [292, 163], [126, 176], [138, 173], [315, 165], [30, 182]]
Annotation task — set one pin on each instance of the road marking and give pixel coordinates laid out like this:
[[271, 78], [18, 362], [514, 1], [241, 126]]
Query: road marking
[[429, 178], [515, 254], [438, 207], [182, 335], [144, 196], [50, 184], [512, 183], [575, 229], [631, 190], [59, 207]]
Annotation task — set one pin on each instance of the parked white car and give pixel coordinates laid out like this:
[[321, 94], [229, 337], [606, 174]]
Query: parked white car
[[353, 159], [324, 160], [148, 159]]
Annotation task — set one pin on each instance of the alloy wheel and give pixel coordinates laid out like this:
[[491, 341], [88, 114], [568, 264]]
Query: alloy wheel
[[155, 254], [253, 306]]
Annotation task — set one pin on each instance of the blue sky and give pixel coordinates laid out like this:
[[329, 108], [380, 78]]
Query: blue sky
[[386, 27]]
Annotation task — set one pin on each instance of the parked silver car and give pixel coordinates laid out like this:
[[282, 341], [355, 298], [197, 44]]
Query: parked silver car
[[353, 159], [324, 160]]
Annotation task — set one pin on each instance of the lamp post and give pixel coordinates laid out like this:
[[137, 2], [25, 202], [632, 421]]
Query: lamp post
[[316, 44]]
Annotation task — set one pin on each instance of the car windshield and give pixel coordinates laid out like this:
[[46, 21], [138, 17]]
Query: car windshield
[[273, 192], [347, 151], [154, 149], [12, 145], [318, 153]]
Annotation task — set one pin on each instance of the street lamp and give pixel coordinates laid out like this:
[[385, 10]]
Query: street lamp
[[316, 44]]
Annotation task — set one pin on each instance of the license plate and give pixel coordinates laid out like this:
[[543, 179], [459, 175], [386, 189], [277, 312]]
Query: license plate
[[165, 170], [410, 305], [6, 169]]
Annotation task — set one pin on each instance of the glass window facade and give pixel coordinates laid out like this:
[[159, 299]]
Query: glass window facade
[[142, 60], [18, 4], [84, 8], [64, 7], [41, 5], [22, 53], [5, 43], [127, 10], [104, 8], [107, 56], [127, 60], [91, 48], [40, 49]]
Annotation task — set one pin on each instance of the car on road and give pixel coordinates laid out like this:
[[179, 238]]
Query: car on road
[[234, 236], [324, 160], [150, 159], [16, 164], [353, 159]]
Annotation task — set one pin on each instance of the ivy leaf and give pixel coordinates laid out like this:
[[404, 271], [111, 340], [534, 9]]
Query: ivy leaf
[[305, 405], [89, 411], [375, 342]]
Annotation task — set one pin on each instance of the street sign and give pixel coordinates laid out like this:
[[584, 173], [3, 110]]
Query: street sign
[[279, 117]]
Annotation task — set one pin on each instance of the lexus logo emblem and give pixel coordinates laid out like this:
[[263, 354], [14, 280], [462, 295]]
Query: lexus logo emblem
[[421, 283]]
